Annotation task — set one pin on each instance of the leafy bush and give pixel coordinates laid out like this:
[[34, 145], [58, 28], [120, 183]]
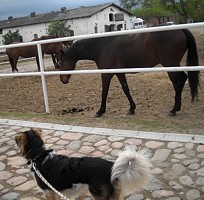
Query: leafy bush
[[59, 28], [11, 37]]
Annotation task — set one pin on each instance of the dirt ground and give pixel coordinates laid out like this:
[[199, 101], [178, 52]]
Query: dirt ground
[[80, 99]]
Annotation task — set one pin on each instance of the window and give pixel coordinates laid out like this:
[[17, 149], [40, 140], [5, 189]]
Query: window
[[119, 27], [71, 32], [107, 29], [96, 28], [111, 18], [119, 17], [35, 36]]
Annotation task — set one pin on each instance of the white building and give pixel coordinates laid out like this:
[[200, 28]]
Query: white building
[[82, 20]]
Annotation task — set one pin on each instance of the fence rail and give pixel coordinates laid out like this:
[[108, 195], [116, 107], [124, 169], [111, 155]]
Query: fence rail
[[43, 73]]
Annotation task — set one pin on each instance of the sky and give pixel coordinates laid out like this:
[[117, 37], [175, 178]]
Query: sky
[[20, 8]]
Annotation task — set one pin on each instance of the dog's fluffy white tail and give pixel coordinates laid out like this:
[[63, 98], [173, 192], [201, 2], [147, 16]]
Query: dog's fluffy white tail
[[131, 170]]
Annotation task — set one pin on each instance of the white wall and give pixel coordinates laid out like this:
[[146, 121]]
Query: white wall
[[87, 25], [80, 26], [28, 32]]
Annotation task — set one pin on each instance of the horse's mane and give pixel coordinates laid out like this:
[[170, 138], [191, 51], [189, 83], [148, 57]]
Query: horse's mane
[[91, 43], [45, 37]]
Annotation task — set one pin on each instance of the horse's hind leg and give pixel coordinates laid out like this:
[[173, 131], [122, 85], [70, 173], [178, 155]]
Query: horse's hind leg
[[178, 80], [123, 82], [106, 78], [13, 64], [38, 62]]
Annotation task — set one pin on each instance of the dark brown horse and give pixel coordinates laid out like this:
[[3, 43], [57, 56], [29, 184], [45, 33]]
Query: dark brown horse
[[31, 51], [133, 51]]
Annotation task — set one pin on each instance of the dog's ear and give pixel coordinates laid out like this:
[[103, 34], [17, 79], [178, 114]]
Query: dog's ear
[[21, 137], [21, 140], [34, 139], [29, 140], [37, 131]]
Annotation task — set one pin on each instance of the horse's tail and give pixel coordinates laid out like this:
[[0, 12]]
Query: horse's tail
[[192, 60]]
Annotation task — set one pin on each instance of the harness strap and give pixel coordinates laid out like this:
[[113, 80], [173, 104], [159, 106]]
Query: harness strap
[[39, 155], [46, 182]]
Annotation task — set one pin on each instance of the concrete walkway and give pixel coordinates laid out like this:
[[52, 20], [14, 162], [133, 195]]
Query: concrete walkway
[[178, 159]]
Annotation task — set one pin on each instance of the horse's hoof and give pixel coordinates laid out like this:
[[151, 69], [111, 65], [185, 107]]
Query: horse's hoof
[[98, 115], [171, 114], [131, 112]]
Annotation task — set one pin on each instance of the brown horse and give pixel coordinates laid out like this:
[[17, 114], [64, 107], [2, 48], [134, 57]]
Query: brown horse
[[133, 51], [31, 51]]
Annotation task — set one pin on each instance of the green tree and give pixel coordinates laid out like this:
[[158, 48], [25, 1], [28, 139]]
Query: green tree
[[11, 37], [186, 9], [59, 28], [147, 13], [189, 9], [147, 3], [129, 4], [155, 3], [196, 10], [153, 8], [181, 7]]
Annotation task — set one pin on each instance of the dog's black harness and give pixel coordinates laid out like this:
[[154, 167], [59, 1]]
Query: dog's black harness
[[33, 166], [39, 155]]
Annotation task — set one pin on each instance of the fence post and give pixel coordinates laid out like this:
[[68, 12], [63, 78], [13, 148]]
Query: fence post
[[47, 109]]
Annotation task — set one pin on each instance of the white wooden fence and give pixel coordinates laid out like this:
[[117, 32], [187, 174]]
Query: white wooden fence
[[43, 73]]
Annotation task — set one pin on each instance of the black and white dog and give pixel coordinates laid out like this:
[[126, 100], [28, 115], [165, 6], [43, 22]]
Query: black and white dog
[[106, 180]]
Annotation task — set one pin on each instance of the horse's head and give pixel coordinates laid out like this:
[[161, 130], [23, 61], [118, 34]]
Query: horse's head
[[66, 62]]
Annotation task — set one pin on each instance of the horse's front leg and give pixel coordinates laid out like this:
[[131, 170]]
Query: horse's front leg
[[106, 79], [54, 61], [38, 63], [178, 80], [123, 82]]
